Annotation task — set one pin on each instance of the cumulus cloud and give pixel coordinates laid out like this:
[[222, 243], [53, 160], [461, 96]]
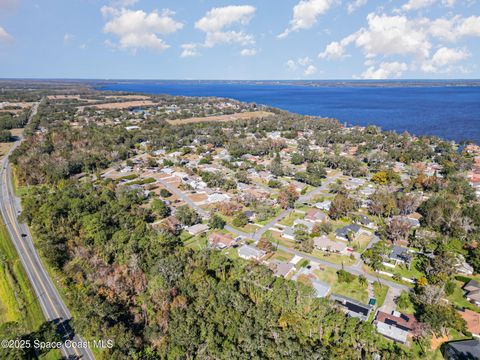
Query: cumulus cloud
[[386, 70], [310, 70], [392, 35], [248, 52], [4, 35], [417, 4], [302, 64], [337, 50], [455, 28], [305, 15], [354, 5], [137, 29], [420, 4], [217, 20], [443, 59], [189, 50]]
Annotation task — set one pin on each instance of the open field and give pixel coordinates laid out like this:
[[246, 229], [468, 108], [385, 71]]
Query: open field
[[125, 105], [17, 299], [222, 118]]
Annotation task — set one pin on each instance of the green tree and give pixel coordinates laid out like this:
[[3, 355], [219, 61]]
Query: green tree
[[160, 208], [216, 222]]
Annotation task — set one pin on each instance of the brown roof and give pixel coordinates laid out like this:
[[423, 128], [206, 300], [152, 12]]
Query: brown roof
[[220, 239], [405, 321], [472, 319]]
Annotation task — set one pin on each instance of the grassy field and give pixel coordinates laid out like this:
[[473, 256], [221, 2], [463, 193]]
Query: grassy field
[[18, 302], [17, 299], [353, 290]]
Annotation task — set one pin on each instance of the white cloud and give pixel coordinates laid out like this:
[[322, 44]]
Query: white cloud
[[354, 5], [291, 65], [248, 52], [417, 4], [449, 3], [83, 46], [443, 59], [4, 35], [123, 3], [304, 61], [392, 35], [189, 50], [67, 38], [137, 29], [336, 50], [305, 15], [310, 70], [217, 20], [303, 64], [386, 70], [455, 28]]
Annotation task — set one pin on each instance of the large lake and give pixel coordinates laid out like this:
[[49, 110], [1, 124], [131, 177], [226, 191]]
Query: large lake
[[450, 112]]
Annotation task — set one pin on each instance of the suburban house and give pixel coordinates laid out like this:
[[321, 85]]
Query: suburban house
[[349, 232], [321, 289], [460, 350], [309, 225], [352, 307], [220, 241], [324, 205], [365, 221], [218, 197], [473, 321], [171, 224], [395, 326], [282, 269], [398, 255], [288, 233], [472, 292], [462, 267], [248, 252], [325, 244], [316, 216], [197, 229], [414, 219]]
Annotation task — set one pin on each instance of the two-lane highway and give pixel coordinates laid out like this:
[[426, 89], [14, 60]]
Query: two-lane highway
[[50, 301]]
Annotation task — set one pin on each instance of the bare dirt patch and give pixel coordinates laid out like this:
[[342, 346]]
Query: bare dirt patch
[[125, 105], [222, 118]]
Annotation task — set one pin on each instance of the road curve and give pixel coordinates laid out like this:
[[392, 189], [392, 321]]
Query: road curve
[[50, 301]]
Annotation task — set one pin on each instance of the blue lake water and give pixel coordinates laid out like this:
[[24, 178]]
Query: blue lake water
[[450, 112]]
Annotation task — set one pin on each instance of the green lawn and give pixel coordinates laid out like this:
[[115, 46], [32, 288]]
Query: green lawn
[[412, 273], [333, 258], [458, 299], [291, 217], [380, 293], [353, 290]]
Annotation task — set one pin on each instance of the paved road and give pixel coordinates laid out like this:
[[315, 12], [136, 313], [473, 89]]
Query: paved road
[[351, 269], [50, 301]]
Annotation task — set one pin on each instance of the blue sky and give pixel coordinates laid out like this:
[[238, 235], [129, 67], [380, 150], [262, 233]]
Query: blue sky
[[256, 39]]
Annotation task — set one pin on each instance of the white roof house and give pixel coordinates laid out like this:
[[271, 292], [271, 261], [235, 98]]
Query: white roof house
[[218, 197], [248, 252]]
